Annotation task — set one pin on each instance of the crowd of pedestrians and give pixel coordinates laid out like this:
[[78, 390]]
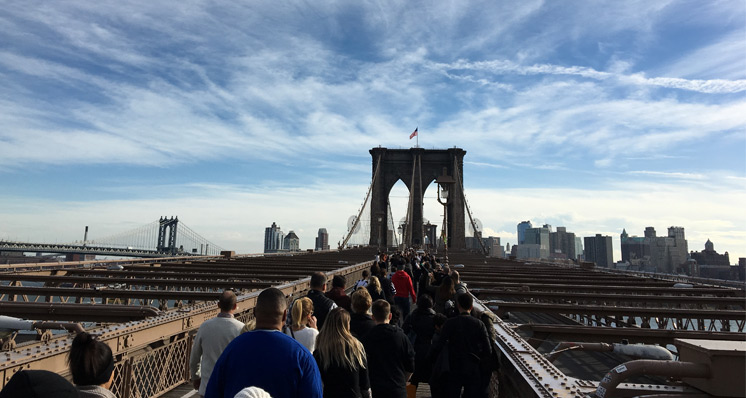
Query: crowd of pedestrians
[[369, 343]]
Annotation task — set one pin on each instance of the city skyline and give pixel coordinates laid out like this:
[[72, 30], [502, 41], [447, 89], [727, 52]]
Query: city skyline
[[596, 116]]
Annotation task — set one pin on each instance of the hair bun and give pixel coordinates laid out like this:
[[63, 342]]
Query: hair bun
[[83, 339]]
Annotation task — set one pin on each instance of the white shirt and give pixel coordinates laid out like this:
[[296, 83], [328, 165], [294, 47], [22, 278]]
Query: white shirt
[[305, 336], [211, 339]]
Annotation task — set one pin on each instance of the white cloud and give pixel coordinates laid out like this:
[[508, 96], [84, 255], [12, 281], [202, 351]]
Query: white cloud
[[503, 67], [684, 176], [521, 87]]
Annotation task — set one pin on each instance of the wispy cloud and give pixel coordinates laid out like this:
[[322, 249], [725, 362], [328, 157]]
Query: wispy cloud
[[575, 95], [683, 176], [506, 67]]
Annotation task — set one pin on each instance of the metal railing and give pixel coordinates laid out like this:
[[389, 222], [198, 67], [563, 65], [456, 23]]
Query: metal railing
[[151, 355]]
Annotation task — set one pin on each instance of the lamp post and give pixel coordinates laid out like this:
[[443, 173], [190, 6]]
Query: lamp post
[[401, 235], [445, 182]]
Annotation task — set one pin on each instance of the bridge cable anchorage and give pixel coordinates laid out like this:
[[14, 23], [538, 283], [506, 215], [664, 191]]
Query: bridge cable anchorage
[[478, 234], [359, 214]]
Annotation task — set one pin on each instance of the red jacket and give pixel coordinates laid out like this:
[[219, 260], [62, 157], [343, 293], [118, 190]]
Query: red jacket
[[403, 284], [341, 298]]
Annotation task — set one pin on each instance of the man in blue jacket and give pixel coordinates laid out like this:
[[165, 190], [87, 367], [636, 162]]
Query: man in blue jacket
[[266, 358]]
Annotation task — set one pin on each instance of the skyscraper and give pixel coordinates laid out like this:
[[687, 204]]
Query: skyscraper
[[598, 249], [291, 242], [538, 236], [655, 253], [634, 249], [562, 244], [272, 239], [522, 227], [322, 240]]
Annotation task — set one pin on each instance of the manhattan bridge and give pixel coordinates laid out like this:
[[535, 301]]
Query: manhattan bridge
[[563, 329], [160, 238]]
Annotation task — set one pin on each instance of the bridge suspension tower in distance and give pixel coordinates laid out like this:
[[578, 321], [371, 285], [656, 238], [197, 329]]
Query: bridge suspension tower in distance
[[167, 226]]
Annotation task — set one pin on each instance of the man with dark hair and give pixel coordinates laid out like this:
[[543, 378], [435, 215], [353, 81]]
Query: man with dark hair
[[212, 337], [390, 355], [362, 282], [266, 357], [466, 339], [404, 290], [227, 301], [322, 305], [29, 383], [338, 295], [386, 286]]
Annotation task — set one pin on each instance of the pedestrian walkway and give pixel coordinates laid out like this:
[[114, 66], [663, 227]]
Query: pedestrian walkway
[[186, 391]]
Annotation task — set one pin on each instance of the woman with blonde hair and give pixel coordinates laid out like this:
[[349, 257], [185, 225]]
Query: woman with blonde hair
[[375, 289], [341, 359], [303, 327], [360, 322]]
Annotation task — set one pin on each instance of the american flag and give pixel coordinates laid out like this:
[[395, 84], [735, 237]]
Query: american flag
[[414, 133]]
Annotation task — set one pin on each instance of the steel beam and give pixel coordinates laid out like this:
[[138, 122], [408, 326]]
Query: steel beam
[[107, 293], [77, 312], [585, 298], [193, 283], [616, 335], [503, 307], [477, 285]]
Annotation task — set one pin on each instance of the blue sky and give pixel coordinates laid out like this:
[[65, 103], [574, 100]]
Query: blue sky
[[596, 116]]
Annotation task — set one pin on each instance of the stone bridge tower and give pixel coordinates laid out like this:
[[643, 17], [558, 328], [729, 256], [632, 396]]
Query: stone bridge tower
[[417, 168]]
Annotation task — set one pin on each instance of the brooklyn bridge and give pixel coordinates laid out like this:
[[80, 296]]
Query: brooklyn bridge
[[563, 329]]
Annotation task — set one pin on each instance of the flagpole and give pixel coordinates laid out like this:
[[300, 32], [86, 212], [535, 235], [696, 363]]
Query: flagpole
[[418, 136]]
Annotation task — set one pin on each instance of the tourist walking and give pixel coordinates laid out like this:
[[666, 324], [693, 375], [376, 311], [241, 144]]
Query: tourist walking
[[467, 342], [404, 290], [362, 282], [92, 366], [360, 321], [390, 355], [266, 357], [211, 339], [420, 328], [445, 298], [338, 294], [303, 327], [321, 304], [341, 359]]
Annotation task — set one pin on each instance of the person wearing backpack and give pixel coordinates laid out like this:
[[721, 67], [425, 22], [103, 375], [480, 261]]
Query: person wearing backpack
[[303, 327], [321, 304], [467, 342]]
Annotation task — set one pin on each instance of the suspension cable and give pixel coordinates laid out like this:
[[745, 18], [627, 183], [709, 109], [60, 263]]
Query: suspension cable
[[359, 214], [468, 210]]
